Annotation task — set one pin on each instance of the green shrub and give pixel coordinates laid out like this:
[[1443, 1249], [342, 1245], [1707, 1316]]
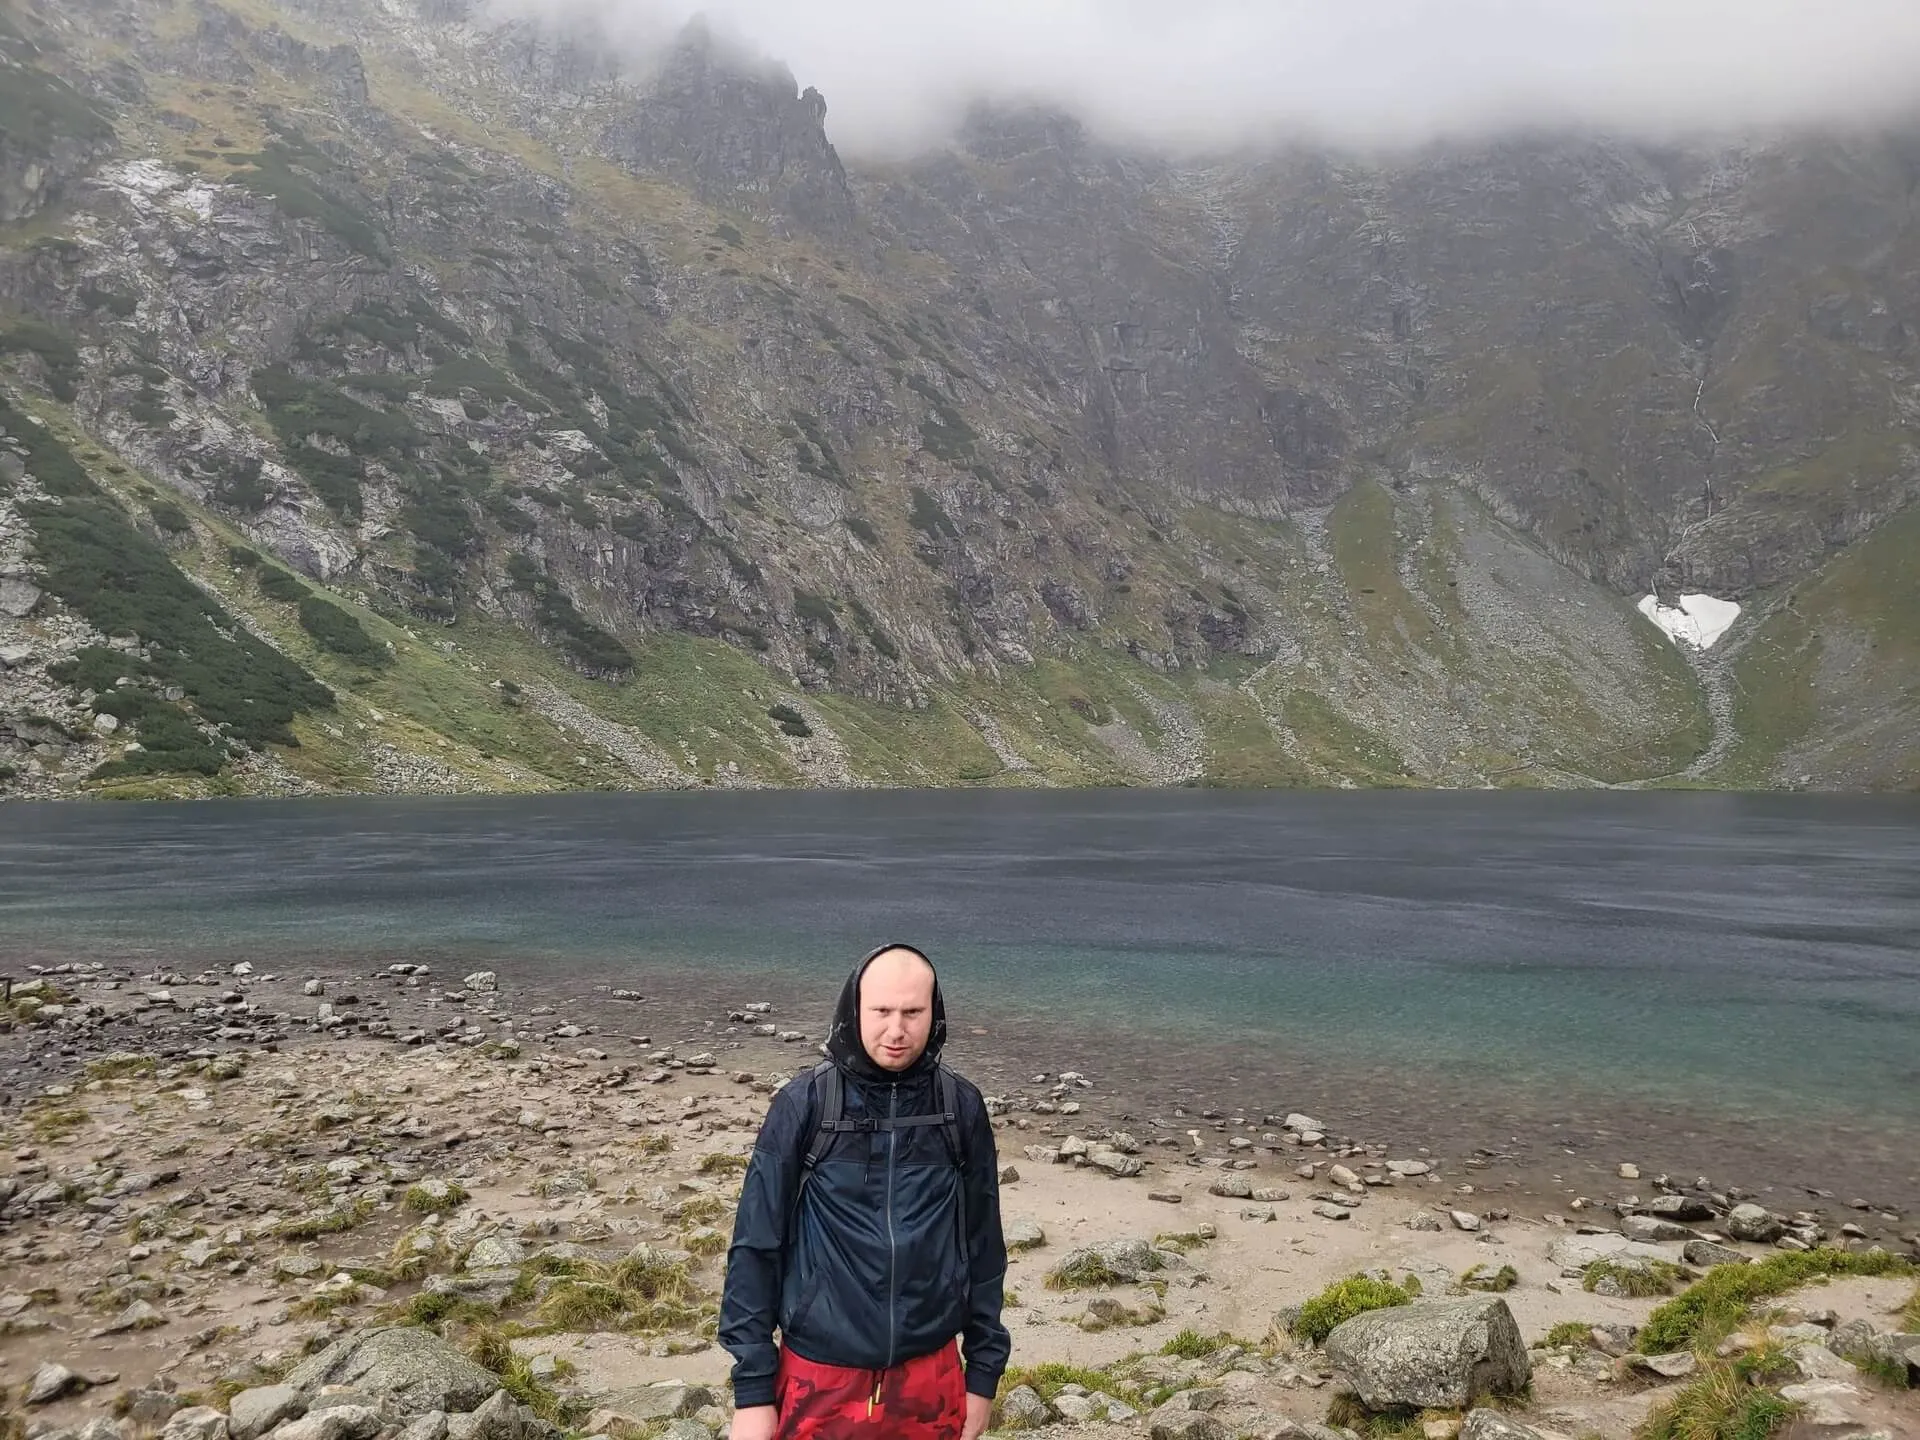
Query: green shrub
[[863, 531], [57, 352], [170, 518], [1190, 1344], [124, 583], [340, 632], [1714, 1306], [1343, 1300], [278, 584], [927, 517], [590, 647], [241, 485], [305, 185]]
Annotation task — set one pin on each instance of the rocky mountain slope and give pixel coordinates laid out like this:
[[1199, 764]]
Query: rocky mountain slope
[[398, 401]]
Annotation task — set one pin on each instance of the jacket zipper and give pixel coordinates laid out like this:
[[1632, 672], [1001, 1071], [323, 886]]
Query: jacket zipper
[[893, 1141]]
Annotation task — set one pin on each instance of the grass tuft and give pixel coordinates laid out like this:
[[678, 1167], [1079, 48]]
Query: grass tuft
[[1481, 1277], [1343, 1300], [1574, 1334], [1657, 1277], [1720, 1403], [423, 1201]]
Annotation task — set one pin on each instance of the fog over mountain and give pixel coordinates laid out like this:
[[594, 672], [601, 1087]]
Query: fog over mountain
[[1218, 73]]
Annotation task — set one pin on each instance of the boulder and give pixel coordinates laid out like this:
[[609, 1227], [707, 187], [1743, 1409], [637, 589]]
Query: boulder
[[1653, 1229], [430, 1426], [1121, 1262], [671, 1401], [253, 1413], [1677, 1207], [336, 1422], [1464, 1220], [496, 1252], [1494, 1425], [1705, 1254], [1574, 1253], [1232, 1187], [1023, 1409], [501, 1418], [1433, 1354], [1166, 1424], [200, 1422], [1825, 1402], [414, 1366], [51, 1381], [1754, 1223]]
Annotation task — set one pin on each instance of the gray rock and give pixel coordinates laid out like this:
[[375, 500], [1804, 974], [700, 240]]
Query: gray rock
[[253, 1413], [1573, 1253], [671, 1401], [1676, 1366], [1653, 1229], [1464, 1220], [1127, 1261], [430, 1426], [1024, 1235], [1424, 1220], [1078, 1408], [1817, 1362], [1752, 1222], [1677, 1207], [488, 1286], [1494, 1425], [137, 1316], [496, 1252], [1270, 1194], [1165, 1424], [335, 1422], [17, 597], [201, 1422], [1705, 1254], [51, 1381], [1232, 1187], [686, 1430], [501, 1418], [1117, 1163], [1827, 1402], [1433, 1354], [1023, 1409], [416, 1367]]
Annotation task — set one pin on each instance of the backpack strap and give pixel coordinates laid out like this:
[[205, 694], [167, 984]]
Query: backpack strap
[[829, 1102]]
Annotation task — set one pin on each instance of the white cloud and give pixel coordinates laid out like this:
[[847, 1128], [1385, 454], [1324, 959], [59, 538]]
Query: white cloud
[[1218, 72]]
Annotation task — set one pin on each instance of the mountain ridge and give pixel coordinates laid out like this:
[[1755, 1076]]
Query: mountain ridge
[[1029, 461]]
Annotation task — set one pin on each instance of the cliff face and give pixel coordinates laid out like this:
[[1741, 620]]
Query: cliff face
[[634, 439]]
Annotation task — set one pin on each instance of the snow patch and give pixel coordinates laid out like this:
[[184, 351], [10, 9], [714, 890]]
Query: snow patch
[[1698, 620]]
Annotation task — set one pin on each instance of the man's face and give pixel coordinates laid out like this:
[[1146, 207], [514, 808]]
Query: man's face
[[896, 1009]]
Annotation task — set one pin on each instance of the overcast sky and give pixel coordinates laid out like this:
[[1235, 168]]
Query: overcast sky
[[1367, 72]]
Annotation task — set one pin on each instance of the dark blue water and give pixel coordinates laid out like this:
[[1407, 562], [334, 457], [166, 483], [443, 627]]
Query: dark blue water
[[1740, 972]]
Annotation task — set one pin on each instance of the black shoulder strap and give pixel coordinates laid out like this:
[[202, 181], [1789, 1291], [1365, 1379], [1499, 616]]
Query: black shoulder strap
[[948, 1093], [828, 1104]]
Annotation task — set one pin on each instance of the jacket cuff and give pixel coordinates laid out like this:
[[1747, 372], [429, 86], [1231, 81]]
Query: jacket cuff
[[980, 1383], [750, 1393]]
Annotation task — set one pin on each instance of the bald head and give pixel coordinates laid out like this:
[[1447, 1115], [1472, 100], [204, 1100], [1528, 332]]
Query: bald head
[[896, 1008]]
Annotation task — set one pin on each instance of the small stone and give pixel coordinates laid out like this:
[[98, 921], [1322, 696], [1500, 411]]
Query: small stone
[[1464, 1220], [1629, 1172], [1024, 1235], [1343, 1177], [1023, 1409], [1327, 1211], [1166, 1197], [1708, 1253], [483, 981], [1424, 1220], [1232, 1187], [1653, 1230], [1409, 1168]]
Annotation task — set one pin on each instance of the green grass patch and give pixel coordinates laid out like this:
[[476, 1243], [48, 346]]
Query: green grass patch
[[721, 1163], [1577, 1334], [1910, 1317], [1486, 1277], [1656, 1277], [489, 1348], [52, 1126], [338, 1221], [1714, 1306], [1343, 1300], [1722, 1402], [422, 1201], [1191, 1344]]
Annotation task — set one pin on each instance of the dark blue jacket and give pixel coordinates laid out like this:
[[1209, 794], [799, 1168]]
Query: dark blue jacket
[[864, 1264]]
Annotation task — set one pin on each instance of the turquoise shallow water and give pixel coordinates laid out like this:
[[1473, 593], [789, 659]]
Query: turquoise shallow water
[[1736, 977]]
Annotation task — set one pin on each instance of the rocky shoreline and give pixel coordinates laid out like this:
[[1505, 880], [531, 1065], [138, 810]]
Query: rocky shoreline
[[256, 1205]]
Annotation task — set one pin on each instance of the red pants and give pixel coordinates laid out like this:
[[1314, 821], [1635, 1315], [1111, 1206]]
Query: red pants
[[923, 1399]]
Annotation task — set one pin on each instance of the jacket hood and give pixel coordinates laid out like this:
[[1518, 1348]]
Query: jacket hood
[[843, 1038]]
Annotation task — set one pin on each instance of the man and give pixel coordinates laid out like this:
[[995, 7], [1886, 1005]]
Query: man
[[871, 1237]]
